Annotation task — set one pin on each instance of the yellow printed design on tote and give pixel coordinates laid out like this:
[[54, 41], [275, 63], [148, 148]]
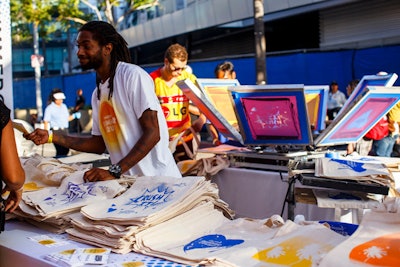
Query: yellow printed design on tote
[[296, 251]]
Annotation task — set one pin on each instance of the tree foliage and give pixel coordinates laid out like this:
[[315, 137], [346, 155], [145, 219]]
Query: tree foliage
[[106, 7], [27, 12], [53, 15]]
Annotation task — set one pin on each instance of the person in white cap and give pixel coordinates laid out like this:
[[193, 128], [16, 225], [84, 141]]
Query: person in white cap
[[57, 117]]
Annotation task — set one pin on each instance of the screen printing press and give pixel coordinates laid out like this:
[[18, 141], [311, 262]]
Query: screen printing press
[[283, 126]]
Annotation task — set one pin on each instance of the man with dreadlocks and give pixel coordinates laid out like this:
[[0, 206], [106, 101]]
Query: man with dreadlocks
[[127, 117]]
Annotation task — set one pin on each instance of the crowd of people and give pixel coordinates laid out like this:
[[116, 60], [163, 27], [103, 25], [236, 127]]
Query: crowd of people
[[177, 110], [137, 114]]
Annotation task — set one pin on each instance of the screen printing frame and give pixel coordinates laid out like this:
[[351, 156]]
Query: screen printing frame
[[199, 99], [360, 116], [219, 95], [317, 113], [370, 80], [265, 97]]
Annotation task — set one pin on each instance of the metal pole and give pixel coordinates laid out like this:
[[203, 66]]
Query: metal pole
[[39, 103], [261, 72]]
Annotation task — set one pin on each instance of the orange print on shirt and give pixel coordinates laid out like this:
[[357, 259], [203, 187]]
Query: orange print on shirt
[[381, 251], [109, 124]]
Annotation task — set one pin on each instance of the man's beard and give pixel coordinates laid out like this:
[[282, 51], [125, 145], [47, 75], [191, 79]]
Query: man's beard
[[93, 63]]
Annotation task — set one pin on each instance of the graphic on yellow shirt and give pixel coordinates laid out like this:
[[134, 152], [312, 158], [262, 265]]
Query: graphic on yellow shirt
[[109, 126], [297, 251], [381, 251], [174, 103]]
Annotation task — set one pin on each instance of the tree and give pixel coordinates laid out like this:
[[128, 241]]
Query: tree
[[40, 14], [35, 13], [106, 7], [28, 12], [32, 19]]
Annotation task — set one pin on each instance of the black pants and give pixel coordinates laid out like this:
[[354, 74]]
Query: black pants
[[75, 126], [61, 151], [332, 113]]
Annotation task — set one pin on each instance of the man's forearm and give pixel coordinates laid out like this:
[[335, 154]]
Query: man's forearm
[[92, 144]]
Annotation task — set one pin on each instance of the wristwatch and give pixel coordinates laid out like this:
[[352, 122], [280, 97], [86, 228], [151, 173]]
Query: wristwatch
[[115, 170]]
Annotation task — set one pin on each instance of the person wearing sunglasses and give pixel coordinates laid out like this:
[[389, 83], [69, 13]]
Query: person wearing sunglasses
[[175, 105]]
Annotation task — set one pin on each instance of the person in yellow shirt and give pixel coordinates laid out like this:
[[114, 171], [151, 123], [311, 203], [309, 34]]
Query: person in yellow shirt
[[175, 105]]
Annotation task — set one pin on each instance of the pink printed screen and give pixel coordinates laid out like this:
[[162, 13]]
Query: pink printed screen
[[272, 117]]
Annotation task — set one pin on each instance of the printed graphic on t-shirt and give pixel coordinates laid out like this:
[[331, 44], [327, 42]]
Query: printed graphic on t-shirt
[[109, 126], [176, 113], [174, 107]]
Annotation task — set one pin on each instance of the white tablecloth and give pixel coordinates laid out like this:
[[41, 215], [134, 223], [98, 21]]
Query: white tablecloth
[[260, 194], [18, 250]]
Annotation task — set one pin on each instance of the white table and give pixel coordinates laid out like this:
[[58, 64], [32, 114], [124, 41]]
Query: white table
[[17, 250], [260, 194]]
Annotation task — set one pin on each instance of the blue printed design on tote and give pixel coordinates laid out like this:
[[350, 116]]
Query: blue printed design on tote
[[212, 241], [368, 159], [73, 192], [355, 166], [51, 200], [150, 198]]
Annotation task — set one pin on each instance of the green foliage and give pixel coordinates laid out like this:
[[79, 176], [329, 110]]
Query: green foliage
[[58, 15], [49, 15], [131, 5]]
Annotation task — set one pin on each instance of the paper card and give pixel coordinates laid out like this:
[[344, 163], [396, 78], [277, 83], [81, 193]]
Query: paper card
[[20, 127], [90, 256], [61, 257], [48, 241]]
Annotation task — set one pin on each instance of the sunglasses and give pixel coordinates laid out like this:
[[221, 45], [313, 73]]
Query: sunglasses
[[176, 69]]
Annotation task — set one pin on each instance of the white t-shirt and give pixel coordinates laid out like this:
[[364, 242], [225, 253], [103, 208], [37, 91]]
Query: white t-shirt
[[336, 100], [117, 121]]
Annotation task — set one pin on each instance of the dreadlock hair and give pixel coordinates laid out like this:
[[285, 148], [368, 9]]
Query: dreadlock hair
[[104, 33]]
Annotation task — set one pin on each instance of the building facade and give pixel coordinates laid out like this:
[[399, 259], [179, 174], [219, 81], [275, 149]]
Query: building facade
[[222, 28]]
